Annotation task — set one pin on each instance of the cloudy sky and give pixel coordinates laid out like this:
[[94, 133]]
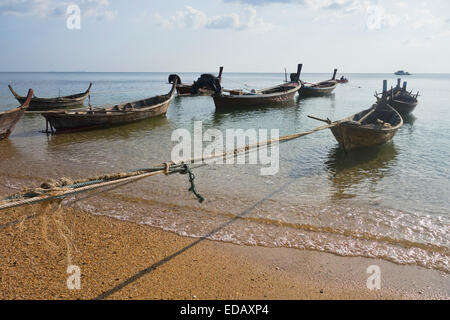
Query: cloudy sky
[[242, 35]]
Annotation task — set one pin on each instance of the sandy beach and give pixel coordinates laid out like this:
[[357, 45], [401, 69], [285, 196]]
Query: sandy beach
[[125, 260]]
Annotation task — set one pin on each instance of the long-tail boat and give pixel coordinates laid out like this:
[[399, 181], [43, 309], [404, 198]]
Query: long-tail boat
[[199, 87], [401, 100], [9, 119], [376, 125], [77, 120], [235, 99], [320, 88], [41, 104]]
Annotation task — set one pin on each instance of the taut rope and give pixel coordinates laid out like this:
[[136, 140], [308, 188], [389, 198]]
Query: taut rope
[[65, 188]]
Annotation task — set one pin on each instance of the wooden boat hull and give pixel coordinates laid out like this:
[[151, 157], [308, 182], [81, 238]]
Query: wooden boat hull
[[234, 102], [342, 81], [404, 108], [78, 122], [50, 105], [185, 90], [9, 119], [90, 119], [43, 104], [317, 91], [350, 135]]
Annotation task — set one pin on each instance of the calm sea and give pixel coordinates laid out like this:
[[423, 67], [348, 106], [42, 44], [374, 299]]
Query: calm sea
[[389, 202]]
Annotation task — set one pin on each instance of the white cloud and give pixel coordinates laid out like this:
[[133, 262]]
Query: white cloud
[[40, 8], [225, 21], [415, 14], [190, 17], [53, 8], [196, 19], [377, 18], [97, 9], [344, 6], [252, 21]]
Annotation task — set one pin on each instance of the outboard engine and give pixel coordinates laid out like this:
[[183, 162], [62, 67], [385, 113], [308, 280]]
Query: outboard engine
[[207, 81], [172, 78]]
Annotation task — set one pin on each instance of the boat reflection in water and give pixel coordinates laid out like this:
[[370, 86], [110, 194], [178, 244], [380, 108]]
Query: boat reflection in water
[[409, 119], [221, 116], [349, 170]]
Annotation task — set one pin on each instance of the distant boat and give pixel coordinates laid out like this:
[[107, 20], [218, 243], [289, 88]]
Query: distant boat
[[402, 101], [402, 73], [318, 89], [42, 104]]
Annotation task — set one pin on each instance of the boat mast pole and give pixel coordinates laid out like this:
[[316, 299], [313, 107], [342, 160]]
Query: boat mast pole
[[334, 74], [384, 90]]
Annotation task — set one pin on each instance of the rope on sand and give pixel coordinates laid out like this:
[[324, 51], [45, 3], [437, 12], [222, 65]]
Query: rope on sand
[[64, 187]]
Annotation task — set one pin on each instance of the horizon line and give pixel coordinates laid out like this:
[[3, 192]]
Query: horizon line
[[261, 72]]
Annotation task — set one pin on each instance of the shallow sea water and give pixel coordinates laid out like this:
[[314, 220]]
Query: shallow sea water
[[389, 202]]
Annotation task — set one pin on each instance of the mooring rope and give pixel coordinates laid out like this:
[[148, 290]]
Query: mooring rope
[[64, 188]]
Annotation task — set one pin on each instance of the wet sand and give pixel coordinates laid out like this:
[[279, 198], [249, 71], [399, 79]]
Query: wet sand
[[125, 260]]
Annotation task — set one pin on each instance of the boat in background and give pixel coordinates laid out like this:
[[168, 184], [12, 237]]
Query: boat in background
[[226, 100], [77, 120], [402, 73], [373, 126], [9, 119], [401, 100], [199, 87], [342, 80], [320, 88], [41, 104]]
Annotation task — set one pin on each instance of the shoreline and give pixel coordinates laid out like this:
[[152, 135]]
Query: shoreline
[[125, 260]]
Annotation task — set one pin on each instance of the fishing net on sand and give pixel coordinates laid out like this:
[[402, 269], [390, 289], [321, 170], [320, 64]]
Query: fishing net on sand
[[50, 225]]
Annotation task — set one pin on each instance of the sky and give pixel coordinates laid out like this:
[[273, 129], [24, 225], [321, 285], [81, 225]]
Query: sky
[[367, 36]]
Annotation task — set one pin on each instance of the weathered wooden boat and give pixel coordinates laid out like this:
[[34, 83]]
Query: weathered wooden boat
[[401, 100], [40, 104], [374, 126], [320, 88], [199, 87], [236, 99], [9, 119], [77, 120], [379, 127], [404, 103]]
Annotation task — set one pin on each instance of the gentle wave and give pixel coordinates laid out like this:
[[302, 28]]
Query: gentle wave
[[260, 230]]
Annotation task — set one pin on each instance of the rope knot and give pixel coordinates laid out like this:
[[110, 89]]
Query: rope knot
[[187, 170], [166, 167]]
